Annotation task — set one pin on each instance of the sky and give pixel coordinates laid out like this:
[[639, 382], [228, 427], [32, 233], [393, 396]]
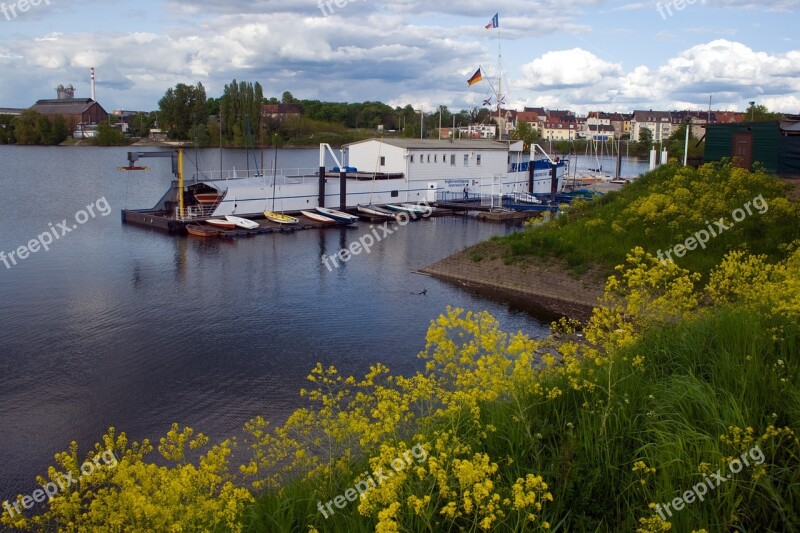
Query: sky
[[583, 55]]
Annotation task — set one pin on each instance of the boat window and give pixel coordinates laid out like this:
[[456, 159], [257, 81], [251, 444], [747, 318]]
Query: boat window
[[383, 161], [435, 158], [478, 160], [453, 159], [429, 158], [412, 158], [466, 160], [395, 194]]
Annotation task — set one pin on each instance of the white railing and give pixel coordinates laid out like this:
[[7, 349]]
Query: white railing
[[283, 175], [194, 211]]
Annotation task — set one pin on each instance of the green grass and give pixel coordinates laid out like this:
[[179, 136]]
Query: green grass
[[660, 210], [699, 378]]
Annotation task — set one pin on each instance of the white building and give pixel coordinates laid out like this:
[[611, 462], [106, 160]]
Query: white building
[[478, 131], [453, 164]]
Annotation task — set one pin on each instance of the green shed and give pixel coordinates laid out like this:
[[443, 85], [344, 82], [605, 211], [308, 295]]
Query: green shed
[[774, 144]]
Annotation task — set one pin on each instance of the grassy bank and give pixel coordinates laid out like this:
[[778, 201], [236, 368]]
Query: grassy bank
[[663, 209], [681, 389]]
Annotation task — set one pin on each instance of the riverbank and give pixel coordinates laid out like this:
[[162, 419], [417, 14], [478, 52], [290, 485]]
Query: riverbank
[[548, 284]]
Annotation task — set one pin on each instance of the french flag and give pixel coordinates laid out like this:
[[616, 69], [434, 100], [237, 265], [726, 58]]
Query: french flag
[[494, 23]]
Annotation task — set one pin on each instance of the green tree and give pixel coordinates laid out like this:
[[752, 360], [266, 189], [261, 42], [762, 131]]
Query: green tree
[[526, 133], [239, 101], [760, 113], [107, 135], [7, 135], [181, 109], [26, 127], [287, 98], [677, 142], [645, 141]]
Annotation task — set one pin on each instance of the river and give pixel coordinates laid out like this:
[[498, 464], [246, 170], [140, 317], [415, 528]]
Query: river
[[122, 326]]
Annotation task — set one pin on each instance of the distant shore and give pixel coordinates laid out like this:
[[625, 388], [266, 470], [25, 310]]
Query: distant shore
[[547, 285]]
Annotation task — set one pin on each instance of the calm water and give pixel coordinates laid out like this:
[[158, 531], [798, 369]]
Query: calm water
[[121, 326]]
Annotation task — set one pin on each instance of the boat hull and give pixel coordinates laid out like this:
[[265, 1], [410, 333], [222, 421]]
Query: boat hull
[[201, 231], [241, 222], [375, 211], [280, 218], [218, 223], [316, 217], [339, 216]]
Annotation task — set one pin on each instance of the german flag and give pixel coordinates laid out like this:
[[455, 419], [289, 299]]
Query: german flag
[[475, 78]]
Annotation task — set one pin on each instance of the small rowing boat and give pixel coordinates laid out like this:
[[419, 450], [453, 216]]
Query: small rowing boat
[[201, 231], [241, 222], [339, 216], [280, 218], [316, 217], [219, 223]]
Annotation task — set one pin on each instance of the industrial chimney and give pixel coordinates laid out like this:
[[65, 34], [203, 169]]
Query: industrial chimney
[[93, 85]]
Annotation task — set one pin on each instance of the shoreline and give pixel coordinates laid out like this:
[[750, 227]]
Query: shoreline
[[548, 286]]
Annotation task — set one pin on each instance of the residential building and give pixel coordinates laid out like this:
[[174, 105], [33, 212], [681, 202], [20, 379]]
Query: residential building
[[658, 122], [281, 112], [600, 132], [478, 131], [559, 131]]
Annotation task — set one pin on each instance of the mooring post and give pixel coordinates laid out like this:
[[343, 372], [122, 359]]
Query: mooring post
[[530, 175], [342, 189], [321, 199]]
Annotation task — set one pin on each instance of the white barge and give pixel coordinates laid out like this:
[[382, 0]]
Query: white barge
[[375, 171]]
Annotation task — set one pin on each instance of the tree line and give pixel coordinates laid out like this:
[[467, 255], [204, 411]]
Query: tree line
[[235, 119]]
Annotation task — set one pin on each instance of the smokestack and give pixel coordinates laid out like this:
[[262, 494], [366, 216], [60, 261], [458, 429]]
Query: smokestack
[[93, 84]]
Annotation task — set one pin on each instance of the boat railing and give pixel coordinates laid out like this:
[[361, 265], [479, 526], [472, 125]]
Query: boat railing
[[282, 175], [194, 211], [460, 197]]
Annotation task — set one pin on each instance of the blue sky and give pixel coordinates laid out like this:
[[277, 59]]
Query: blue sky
[[584, 55]]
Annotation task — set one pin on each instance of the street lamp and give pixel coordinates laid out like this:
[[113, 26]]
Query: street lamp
[[752, 110]]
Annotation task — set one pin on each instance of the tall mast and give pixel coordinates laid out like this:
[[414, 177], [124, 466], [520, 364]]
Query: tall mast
[[499, 84]]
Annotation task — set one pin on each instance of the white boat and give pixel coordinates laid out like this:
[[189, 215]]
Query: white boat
[[224, 224], [339, 216], [316, 217], [375, 211], [241, 222], [410, 209]]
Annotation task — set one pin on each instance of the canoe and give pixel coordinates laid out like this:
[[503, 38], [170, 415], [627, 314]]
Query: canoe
[[279, 218], [241, 222], [201, 231], [316, 217], [338, 216], [219, 223], [375, 211]]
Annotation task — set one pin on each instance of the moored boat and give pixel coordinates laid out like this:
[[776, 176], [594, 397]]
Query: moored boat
[[219, 223], [375, 211], [316, 217], [241, 222], [280, 218], [339, 216], [201, 231], [411, 209]]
